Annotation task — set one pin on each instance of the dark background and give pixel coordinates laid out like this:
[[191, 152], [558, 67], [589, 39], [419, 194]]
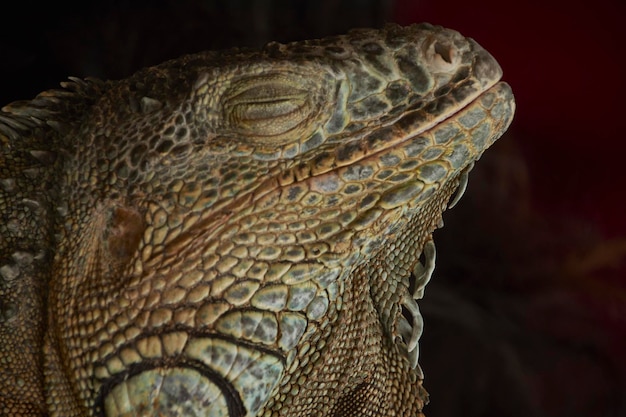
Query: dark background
[[526, 314]]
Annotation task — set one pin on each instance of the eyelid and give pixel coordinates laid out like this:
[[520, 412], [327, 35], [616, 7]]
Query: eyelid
[[272, 109], [266, 90]]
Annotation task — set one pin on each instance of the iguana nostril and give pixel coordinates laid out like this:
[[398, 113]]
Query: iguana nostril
[[444, 51]]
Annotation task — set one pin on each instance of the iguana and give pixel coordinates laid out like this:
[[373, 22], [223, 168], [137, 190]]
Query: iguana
[[237, 233]]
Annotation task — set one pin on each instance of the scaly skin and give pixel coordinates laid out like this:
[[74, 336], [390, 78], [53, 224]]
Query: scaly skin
[[233, 233]]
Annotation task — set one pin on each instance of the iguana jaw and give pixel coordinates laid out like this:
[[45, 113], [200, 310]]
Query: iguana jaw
[[417, 209]]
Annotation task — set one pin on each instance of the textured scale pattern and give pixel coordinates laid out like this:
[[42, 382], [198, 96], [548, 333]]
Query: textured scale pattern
[[237, 233]]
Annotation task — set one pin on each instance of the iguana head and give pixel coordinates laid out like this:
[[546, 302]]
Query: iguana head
[[238, 229]]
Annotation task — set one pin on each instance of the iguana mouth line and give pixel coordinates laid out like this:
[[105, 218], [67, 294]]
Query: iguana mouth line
[[459, 108]]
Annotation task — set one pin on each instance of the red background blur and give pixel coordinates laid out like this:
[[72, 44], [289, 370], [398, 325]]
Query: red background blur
[[554, 279], [566, 63]]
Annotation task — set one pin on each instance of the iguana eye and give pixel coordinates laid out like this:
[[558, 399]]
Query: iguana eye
[[271, 109]]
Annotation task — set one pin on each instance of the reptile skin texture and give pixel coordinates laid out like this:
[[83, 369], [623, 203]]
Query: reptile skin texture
[[237, 233]]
